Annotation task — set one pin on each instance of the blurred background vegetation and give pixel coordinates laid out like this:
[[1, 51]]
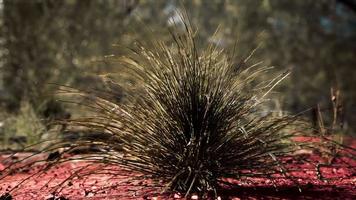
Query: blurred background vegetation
[[65, 42]]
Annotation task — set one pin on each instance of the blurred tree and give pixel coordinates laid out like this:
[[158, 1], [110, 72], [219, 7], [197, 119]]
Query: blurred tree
[[49, 41], [318, 41]]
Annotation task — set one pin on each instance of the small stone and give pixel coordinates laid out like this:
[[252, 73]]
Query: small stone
[[90, 194]]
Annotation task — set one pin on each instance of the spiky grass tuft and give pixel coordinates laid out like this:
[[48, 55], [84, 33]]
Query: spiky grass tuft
[[195, 119]]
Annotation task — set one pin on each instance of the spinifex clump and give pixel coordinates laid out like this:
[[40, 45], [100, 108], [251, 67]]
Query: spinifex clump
[[195, 119]]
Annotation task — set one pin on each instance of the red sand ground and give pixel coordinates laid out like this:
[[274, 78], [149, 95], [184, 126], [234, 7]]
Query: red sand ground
[[341, 183]]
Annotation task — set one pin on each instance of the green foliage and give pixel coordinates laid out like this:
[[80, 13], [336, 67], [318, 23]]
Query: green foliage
[[22, 129], [48, 41]]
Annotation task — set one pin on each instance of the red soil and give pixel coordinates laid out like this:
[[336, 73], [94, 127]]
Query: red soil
[[340, 183]]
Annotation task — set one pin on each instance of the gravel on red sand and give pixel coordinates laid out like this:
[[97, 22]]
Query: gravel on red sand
[[111, 182]]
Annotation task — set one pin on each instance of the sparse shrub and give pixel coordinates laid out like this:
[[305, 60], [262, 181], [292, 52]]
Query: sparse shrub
[[23, 128]]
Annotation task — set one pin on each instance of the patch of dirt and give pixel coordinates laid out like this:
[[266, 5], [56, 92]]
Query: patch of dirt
[[111, 182]]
